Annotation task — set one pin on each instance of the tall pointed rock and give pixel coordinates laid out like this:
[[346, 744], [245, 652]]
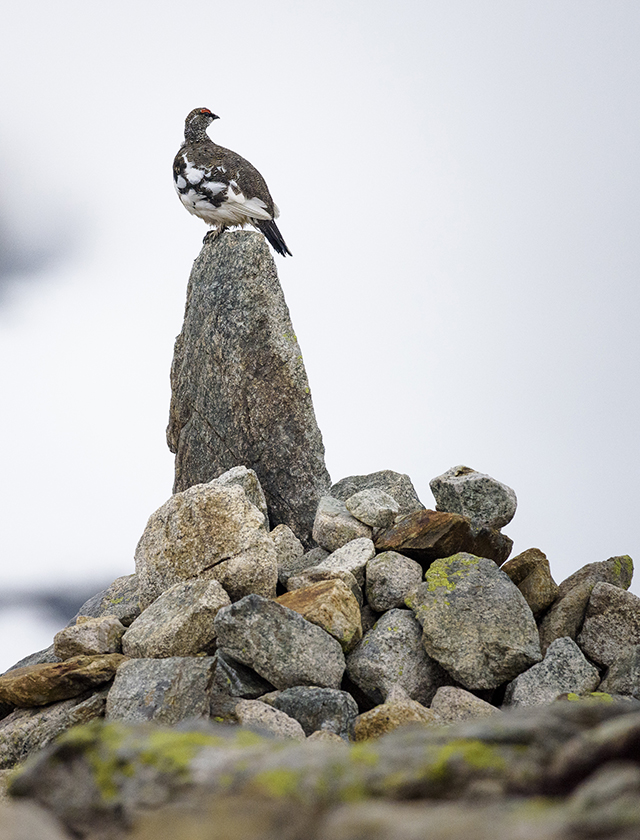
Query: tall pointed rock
[[240, 394]]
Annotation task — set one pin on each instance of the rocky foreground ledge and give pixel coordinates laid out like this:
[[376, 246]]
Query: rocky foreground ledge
[[402, 679]]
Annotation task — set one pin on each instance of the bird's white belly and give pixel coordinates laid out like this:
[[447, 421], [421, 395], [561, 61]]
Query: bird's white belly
[[235, 209]]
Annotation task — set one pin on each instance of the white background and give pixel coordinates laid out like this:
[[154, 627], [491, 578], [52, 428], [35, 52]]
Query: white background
[[458, 183]]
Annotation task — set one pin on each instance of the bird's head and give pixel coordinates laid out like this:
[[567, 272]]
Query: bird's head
[[197, 122]]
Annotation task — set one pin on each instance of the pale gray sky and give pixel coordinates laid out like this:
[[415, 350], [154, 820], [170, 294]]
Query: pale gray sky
[[458, 183]]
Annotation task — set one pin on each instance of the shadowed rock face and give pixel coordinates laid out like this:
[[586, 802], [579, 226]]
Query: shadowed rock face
[[240, 394]]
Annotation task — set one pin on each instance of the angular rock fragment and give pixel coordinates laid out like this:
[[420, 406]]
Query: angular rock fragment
[[178, 623], [623, 676], [351, 557], [617, 571], [279, 644], [209, 531], [89, 636], [312, 575], [476, 623], [161, 690], [531, 574], [325, 709], [120, 599], [289, 552], [564, 669], [331, 605], [334, 525], [374, 507], [566, 615], [391, 659], [485, 501], [428, 535], [389, 577], [389, 716], [37, 685], [453, 704], [237, 680], [248, 480], [25, 731], [265, 718], [240, 393], [397, 485], [611, 623]]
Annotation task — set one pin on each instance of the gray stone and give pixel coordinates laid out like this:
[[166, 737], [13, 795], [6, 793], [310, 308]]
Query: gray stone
[[476, 623], [389, 577], [25, 731], [531, 574], [324, 709], [368, 617], [145, 766], [237, 680], [611, 623], [566, 615], [351, 557], [279, 644], [120, 599], [248, 480], [313, 574], [391, 660], [397, 485], [289, 552], [89, 636], [623, 676], [616, 570], [162, 690], [209, 531], [178, 623], [564, 669], [40, 657], [453, 704], [240, 393], [373, 507], [485, 501], [334, 525], [255, 714]]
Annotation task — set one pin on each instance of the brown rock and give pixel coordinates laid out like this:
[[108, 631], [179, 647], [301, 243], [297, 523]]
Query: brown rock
[[389, 716], [531, 574], [427, 535], [565, 616], [331, 605], [37, 685]]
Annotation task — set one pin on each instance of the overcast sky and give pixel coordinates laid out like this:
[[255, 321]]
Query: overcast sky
[[458, 182]]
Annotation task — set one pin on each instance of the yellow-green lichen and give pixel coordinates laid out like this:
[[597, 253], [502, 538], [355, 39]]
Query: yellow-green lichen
[[364, 753], [593, 696], [440, 575], [471, 752], [278, 782]]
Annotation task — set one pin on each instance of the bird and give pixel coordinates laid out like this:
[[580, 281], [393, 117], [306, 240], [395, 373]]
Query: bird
[[220, 187]]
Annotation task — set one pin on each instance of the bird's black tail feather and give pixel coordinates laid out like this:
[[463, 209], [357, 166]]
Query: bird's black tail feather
[[270, 230]]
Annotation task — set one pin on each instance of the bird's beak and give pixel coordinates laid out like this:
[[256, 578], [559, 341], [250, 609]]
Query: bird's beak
[[215, 117]]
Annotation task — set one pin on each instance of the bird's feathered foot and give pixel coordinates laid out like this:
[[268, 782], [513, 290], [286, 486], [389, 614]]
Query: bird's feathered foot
[[211, 235], [270, 229]]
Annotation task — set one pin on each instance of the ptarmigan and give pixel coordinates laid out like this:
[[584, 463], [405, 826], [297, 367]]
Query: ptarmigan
[[221, 187]]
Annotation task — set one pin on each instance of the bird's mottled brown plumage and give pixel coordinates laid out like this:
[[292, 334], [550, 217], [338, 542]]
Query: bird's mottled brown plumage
[[221, 187]]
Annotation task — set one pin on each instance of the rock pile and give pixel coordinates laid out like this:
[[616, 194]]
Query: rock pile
[[400, 615]]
